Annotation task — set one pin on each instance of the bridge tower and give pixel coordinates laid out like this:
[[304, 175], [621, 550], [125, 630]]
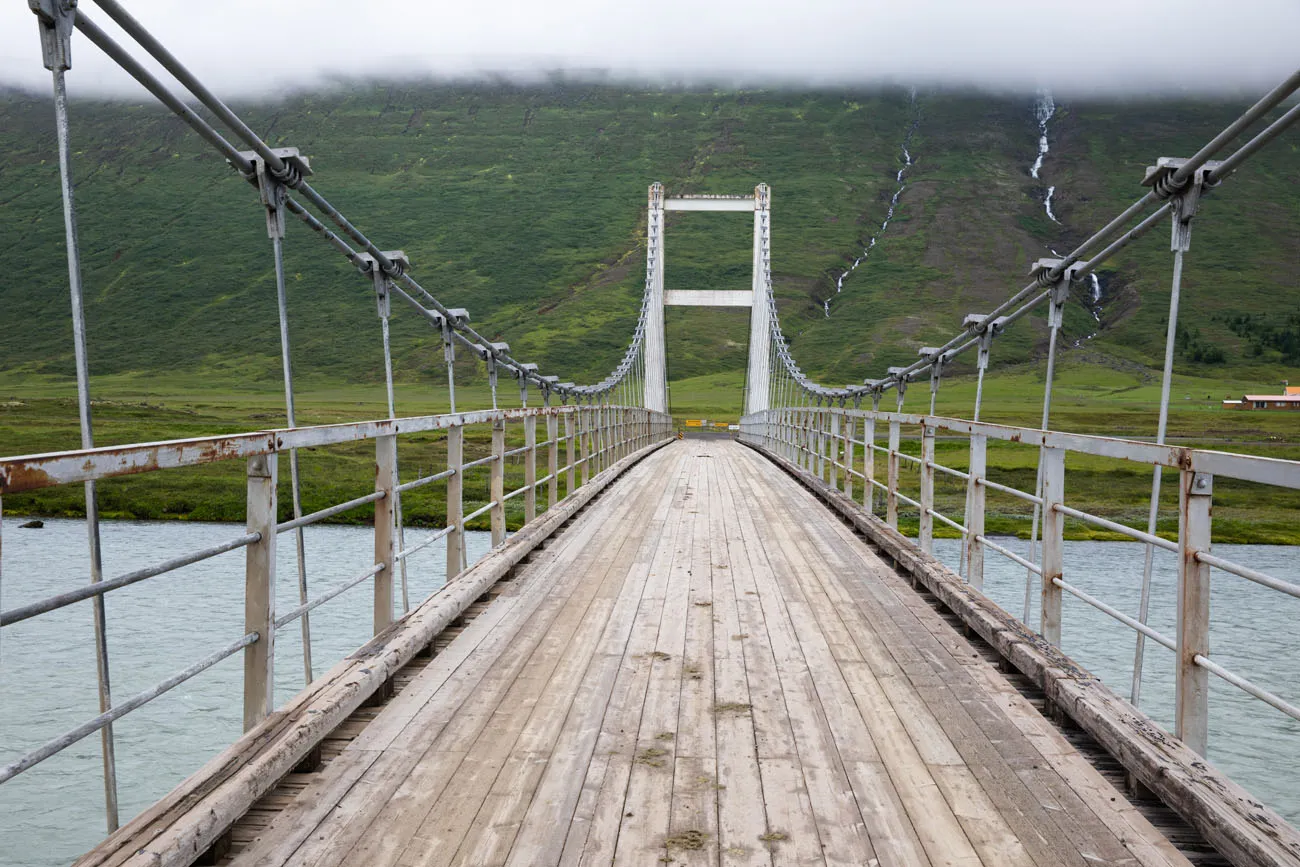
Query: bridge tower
[[757, 297]]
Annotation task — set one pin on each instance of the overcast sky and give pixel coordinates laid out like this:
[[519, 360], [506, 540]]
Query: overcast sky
[[243, 48]]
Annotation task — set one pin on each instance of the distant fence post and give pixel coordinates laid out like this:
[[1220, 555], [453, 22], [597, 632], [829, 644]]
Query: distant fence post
[[530, 468], [552, 461], [569, 452], [455, 500], [497, 482], [891, 492], [975, 510], [926, 532], [833, 448], [385, 522], [259, 591], [869, 464], [584, 443], [1192, 688], [1053, 541], [850, 429], [823, 442]]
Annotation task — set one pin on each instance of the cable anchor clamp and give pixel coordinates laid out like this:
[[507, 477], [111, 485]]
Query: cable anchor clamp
[[1184, 196], [273, 187], [1058, 289], [383, 282], [55, 18]]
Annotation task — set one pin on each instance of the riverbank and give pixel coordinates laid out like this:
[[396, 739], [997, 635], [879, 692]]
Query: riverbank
[[42, 417]]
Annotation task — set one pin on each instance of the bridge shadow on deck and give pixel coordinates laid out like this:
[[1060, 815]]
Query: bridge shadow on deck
[[704, 669]]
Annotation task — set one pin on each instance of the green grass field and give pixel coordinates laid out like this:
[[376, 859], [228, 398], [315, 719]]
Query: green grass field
[[527, 204], [40, 415]]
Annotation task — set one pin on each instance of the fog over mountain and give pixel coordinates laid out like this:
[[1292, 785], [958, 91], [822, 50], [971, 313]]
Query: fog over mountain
[[247, 48]]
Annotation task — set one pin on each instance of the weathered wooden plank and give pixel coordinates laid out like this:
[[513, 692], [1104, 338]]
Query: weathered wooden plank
[[645, 828], [544, 827], [600, 812], [406, 743], [1237, 825], [190, 818], [742, 812]]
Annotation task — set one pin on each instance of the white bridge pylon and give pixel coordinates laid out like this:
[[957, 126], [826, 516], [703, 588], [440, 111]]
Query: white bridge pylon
[[756, 297]]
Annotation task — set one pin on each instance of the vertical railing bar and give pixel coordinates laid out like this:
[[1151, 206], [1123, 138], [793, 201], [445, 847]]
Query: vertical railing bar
[[552, 461], [385, 528], [107, 745], [496, 483], [455, 500], [275, 222], [975, 493], [891, 492], [925, 531], [570, 452], [1153, 513], [530, 468]]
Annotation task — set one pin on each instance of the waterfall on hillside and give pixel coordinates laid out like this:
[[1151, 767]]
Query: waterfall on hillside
[[900, 179], [1044, 109]]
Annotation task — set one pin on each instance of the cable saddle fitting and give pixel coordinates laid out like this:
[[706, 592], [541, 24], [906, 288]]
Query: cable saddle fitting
[[977, 325], [382, 281], [937, 359], [55, 19], [1059, 289], [274, 187], [1185, 196]]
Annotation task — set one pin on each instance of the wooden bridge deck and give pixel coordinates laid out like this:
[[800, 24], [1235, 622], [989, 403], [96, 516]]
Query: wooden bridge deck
[[704, 669]]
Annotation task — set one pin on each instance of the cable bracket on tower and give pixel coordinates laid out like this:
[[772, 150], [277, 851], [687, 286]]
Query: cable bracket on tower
[[55, 19], [1058, 289], [1184, 196], [383, 282], [274, 186]]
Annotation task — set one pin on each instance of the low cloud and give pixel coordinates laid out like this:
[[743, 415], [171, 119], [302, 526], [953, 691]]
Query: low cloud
[[244, 48]]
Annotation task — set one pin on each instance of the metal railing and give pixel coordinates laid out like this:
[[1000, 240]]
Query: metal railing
[[600, 435], [280, 174], [822, 442]]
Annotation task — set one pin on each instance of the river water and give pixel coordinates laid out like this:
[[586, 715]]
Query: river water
[[53, 812]]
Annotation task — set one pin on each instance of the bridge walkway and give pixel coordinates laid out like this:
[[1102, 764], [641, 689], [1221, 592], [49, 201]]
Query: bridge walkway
[[704, 668]]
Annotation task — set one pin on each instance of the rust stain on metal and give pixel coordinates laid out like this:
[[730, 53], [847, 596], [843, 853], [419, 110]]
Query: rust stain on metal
[[24, 477]]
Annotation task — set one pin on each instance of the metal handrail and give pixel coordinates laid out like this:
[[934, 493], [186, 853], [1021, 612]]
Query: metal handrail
[[70, 737], [60, 600], [295, 613]]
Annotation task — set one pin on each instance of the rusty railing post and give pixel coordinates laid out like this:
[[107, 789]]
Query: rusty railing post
[[1053, 541], [975, 511], [569, 452], [385, 528], [259, 591], [552, 461], [891, 492], [530, 469], [850, 430], [584, 443], [1192, 687], [497, 482], [869, 463], [925, 532], [455, 500], [833, 449]]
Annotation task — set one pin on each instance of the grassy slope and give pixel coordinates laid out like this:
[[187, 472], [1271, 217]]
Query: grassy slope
[[526, 206]]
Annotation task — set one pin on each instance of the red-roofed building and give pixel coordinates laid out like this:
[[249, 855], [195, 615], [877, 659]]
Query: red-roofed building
[[1288, 401]]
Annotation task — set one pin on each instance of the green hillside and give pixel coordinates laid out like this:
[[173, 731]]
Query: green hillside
[[526, 205]]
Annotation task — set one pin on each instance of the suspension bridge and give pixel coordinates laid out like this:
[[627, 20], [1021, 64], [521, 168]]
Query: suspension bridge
[[704, 651]]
